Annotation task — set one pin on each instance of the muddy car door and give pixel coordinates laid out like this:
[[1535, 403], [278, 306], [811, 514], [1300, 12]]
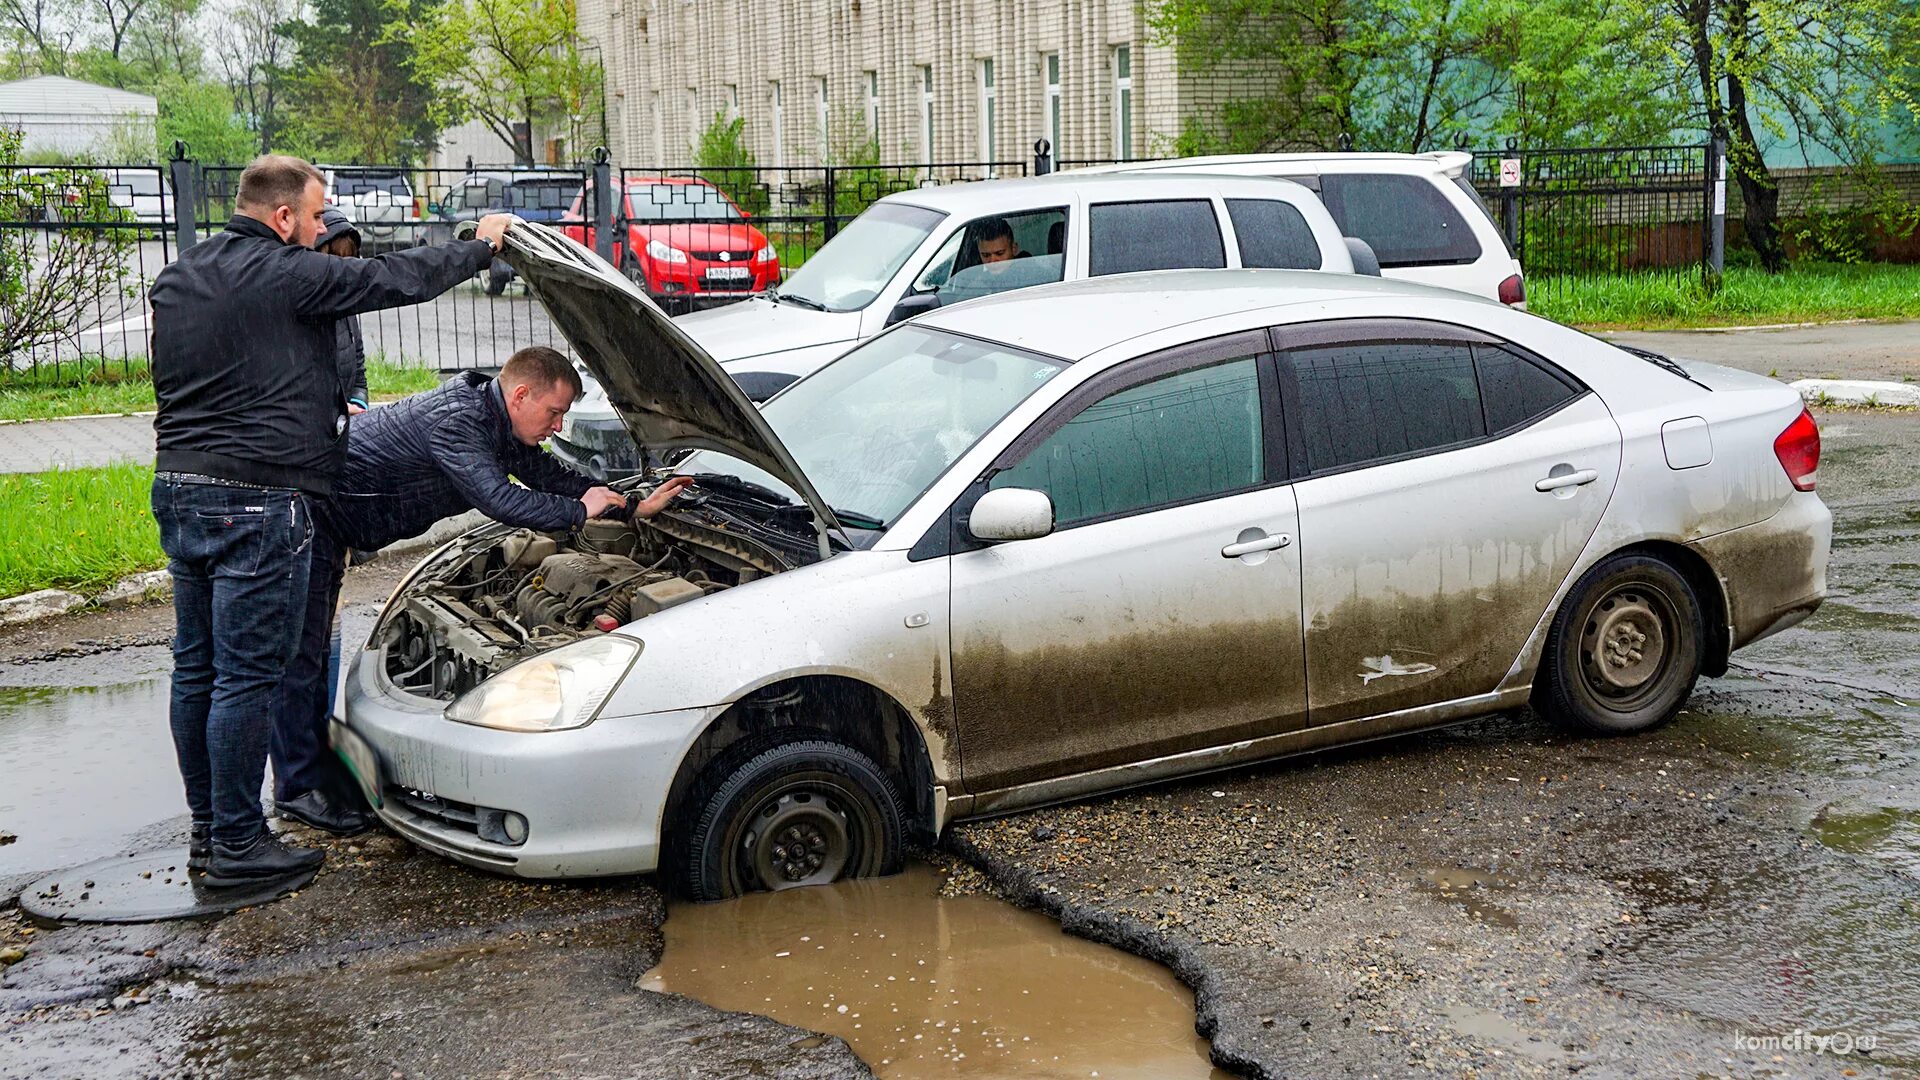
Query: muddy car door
[[1446, 481], [1161, 614]]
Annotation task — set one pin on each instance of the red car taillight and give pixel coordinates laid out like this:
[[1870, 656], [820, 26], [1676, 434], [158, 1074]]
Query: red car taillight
[[1798, 449], [1513, 290]]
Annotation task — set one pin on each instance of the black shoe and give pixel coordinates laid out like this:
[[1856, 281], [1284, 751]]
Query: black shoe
[[316, 809], [199, 846], [263, 861]]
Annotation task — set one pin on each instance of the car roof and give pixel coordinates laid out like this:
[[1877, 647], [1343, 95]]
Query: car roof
[[1075, 319], [983, 196], [1437, 162]]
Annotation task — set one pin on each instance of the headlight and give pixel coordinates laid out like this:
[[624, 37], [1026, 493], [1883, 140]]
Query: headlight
[[765, 254], [659, 250], [554, 691]]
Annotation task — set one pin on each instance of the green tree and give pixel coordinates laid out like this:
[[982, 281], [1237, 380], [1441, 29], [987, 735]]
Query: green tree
[[253, 53], [1823, 73], [510, 64], [200, 113], [51, 279], [353, 88], [727, 162], [40, 35]]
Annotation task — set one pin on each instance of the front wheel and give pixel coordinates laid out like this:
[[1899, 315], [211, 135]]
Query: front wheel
[[807, 812], [1624, 650]]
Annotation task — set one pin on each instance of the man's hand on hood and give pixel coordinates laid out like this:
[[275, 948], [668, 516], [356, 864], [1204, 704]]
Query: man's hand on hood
[[493, 227], [661, 496]]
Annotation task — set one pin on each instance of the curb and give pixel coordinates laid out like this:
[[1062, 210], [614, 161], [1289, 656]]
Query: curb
[[82, 416], [1863, 393]]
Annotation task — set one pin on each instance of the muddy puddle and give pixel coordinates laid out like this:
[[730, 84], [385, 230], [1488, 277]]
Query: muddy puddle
[[84, 769], [923, 985]]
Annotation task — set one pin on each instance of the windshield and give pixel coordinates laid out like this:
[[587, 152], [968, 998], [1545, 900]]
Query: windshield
[[857, 263], [678, 202], [874, 428]]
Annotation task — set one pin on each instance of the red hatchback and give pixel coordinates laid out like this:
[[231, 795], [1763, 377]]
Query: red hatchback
[[682, 237]]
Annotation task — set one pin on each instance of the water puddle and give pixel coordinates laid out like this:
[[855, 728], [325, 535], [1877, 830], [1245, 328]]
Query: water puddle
[[1473, 890], [85, 768], [923, 985], [1888, 833]]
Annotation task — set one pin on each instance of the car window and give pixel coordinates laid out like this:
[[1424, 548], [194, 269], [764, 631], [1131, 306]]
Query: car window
[[350, 184], [1036, 234], [862, 257], [991, 278], [679, 202], [1186, 436], [1515, 390], [540, 194], [1405, 219], [1370, 401], [1168, 235], [1273, 234]]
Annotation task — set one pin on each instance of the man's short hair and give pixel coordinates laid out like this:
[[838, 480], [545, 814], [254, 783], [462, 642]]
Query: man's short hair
[[541, 368], [993, 228], [272, 181]]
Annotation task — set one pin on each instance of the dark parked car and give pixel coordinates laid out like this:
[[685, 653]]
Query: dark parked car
[[538, 195]]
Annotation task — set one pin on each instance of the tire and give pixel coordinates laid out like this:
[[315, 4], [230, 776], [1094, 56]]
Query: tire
[[802, 812], [1624, 650]]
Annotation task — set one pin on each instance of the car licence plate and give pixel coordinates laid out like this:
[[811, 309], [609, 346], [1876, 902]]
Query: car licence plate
[[728, 273], [361, 761]]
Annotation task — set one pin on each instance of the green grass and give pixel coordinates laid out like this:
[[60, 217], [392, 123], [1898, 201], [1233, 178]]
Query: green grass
[[125, 386], [1812, 292], [79, 529]]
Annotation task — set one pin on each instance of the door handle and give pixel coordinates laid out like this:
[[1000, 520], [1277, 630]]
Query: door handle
[[1261, 543], [1566, 480]]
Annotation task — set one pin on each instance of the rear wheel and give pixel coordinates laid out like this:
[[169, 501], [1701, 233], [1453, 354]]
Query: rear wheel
[[1624, 650], [805, 812]]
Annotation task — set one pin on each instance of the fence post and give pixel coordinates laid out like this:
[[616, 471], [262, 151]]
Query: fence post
[[603, 202], [186, 230], [1042, 157], [833, 204], [1716, 210], [1510, 201]]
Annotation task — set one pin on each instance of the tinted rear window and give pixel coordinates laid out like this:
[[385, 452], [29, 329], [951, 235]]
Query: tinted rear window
[[1515, 390], [1170, 235], [1372, 401], [1405, 219], [1272, 234]]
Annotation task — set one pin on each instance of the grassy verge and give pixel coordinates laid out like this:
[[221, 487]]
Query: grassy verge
[[125, 386], [77, 529], [1812, 292]]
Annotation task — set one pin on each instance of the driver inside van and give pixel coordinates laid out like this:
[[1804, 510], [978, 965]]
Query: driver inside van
[[994, 243]]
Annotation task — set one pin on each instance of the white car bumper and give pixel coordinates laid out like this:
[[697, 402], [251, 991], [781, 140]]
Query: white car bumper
[[591, 799]]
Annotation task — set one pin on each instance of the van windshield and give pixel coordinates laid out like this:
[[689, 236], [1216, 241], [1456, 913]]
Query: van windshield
[[856, 264]]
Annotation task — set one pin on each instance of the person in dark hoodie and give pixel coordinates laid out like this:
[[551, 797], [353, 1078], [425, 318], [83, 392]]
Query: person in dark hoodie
[[250, 428], [433, 455], [339, 237]]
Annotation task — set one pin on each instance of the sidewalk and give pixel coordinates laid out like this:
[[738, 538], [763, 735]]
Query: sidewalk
[[1888, 352], [76, 443]]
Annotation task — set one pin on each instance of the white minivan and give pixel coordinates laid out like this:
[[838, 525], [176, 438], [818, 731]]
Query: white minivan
[[914, 251], [1418, 212]]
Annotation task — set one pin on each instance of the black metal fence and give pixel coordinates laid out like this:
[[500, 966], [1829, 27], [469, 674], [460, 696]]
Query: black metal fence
[[80, 245]]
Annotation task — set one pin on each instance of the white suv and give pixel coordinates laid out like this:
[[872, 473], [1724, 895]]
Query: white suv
[[918, 250], [1419, 212], [380, 202]]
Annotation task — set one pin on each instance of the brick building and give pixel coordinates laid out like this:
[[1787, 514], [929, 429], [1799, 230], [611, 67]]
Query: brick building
[[927, 80]]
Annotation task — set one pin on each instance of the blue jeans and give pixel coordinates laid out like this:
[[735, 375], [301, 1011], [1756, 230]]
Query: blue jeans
[[302, 761], [239, 558]]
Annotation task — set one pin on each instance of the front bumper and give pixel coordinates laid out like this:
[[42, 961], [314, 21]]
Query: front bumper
[[592, 798]]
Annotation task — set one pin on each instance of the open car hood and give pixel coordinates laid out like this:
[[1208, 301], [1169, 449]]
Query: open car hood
[[666, 389]]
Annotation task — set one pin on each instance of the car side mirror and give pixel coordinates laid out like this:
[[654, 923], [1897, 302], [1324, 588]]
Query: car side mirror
[[909, 306], [1364, 261], [1011, 514]]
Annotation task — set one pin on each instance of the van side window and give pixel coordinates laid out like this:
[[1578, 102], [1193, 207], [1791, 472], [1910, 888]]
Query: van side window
[[1165, 235], [1273, 234], [1405, 219], [957, 272]]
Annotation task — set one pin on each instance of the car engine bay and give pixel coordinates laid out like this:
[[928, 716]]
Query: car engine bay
[[499, 594]]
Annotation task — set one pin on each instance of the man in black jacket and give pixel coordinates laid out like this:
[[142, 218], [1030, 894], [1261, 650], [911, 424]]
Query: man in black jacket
[[431, 456], [251, 425]]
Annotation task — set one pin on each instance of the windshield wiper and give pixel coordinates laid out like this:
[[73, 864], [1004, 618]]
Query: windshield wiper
[[792, 298], [1664, 363]]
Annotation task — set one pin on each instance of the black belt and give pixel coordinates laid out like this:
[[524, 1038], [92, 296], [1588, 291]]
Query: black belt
[[219, 481]]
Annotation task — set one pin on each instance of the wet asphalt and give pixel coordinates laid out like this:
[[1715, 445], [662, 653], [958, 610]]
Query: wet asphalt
[[1499, 899]]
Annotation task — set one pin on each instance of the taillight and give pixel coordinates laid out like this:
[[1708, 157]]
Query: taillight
[[1798, 449], [1513, 290]]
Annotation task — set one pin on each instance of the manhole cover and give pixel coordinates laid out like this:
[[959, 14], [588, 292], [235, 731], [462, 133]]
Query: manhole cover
[[143, 887]]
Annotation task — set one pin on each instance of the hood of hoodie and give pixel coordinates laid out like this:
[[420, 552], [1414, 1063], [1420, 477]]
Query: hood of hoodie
[[334, 225]]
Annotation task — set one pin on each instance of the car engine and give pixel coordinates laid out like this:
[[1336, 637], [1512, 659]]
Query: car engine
[[500, 595]]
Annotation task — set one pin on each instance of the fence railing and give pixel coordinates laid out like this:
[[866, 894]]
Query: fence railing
[[80, 245]]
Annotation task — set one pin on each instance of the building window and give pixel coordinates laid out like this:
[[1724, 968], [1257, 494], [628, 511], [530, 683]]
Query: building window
[[1123, 103], [778, 130], [1053, 103], [987, 146], [659, 127], [695, 122], [820, 115], [926, 113], [873, 106], [733, 103]]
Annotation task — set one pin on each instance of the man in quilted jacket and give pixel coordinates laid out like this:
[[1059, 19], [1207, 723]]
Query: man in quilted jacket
[[431, 456]]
